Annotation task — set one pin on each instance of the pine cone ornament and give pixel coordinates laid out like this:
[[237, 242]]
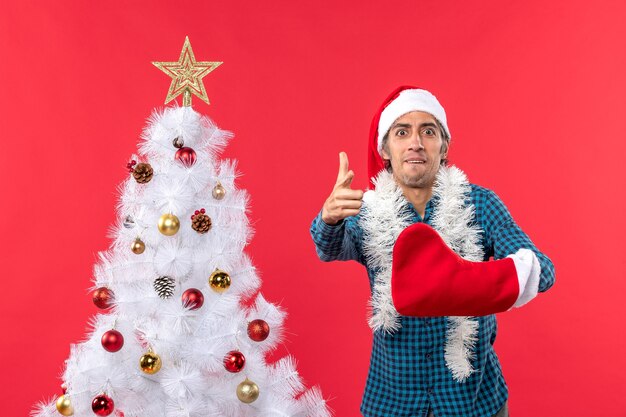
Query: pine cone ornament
[[200, 222], [164, 286], [143, 173]]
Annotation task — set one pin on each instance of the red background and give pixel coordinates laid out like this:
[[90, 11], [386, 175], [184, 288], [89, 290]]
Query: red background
[[534, 93]]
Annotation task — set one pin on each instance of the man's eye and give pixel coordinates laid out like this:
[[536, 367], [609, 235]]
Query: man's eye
[[429, 132], [401, 132]]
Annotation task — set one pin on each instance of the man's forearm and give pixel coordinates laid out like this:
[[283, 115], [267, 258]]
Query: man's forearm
[[332, 243]]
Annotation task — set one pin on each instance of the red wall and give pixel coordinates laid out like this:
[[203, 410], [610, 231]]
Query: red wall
[[535, 95]]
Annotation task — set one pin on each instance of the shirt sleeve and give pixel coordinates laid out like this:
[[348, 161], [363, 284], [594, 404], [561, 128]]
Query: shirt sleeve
[[504, 237], [340, 242]]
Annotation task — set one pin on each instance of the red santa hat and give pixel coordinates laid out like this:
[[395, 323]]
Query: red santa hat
[[401, 101]]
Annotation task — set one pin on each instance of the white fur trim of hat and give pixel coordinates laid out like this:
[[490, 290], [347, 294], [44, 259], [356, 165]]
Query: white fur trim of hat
[[408, 101]]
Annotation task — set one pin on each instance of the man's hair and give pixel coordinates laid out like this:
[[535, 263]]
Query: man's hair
[[444, 146]]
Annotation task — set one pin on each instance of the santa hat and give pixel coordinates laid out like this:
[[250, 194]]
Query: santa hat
[[402, 100]]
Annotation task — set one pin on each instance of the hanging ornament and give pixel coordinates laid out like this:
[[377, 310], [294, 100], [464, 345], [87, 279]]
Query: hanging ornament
[[129, 222], [234, 361], [247, 391], [193, 299], [186, 156], [142, 173], [178, 142], [219, 281], [258, 330], [219, 191], [102, 297], [200, 222], [138, 246], [112, 340], [102, 405], [169, 224], [150, 363], [164, 286], [64, 406]]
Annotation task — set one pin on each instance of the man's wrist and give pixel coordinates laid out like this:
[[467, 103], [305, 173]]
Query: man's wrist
[[328, 219], [329, 222]]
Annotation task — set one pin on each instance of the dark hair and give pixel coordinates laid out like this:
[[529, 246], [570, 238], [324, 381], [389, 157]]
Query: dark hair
[[444, 146]]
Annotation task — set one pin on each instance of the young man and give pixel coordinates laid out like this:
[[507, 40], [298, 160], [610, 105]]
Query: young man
[[433, 295]]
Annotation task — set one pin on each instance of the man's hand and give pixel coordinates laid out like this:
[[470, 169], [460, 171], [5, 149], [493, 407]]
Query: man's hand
[[343, 201]]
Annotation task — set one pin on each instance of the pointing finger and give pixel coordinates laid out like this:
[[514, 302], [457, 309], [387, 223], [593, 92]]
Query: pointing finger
[[343, 167]]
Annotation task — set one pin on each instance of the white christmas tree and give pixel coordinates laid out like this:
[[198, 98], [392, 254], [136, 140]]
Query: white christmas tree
[[184, 331]]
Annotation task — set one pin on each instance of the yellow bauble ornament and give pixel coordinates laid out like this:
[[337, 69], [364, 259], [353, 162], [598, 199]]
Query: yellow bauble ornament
[[169, 224], [64, 406], [219, 281], [138, 247], [150, 363], [247, 391], [219, 191]]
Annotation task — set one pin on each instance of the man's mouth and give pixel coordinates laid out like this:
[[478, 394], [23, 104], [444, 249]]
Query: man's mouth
[[415, 161]]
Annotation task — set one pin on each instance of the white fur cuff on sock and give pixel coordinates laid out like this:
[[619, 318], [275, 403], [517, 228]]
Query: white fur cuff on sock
[[528, 271]]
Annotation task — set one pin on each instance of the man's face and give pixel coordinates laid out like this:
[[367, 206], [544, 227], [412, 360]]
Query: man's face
[[414, 149]]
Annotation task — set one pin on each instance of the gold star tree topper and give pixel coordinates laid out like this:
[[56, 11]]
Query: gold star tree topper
[[187, 75]]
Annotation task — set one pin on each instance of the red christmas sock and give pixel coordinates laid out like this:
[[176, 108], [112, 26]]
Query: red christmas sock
[[429, 279]]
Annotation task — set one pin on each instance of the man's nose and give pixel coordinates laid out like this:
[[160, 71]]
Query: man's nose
[[416, 142]]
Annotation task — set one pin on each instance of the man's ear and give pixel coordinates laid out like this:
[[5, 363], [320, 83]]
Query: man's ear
[[385, 155], [445, 147]]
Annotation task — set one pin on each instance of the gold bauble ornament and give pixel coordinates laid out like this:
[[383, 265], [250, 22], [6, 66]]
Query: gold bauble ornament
[[219, 191], [219, 281], [138, 247], [150, 363], [169, 224], [64, 406], [247, 391]]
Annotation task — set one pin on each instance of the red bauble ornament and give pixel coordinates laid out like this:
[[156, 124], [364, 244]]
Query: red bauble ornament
[[102, 297], [186, 156], [234, 361], [258, 330], [102, 405], [112, 341], [193, 299]]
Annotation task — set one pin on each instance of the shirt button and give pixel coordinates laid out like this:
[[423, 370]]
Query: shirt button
[[428, 356], [430, 390]]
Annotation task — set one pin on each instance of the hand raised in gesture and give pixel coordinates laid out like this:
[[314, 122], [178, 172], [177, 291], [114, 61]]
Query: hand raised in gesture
[[343, 201]]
